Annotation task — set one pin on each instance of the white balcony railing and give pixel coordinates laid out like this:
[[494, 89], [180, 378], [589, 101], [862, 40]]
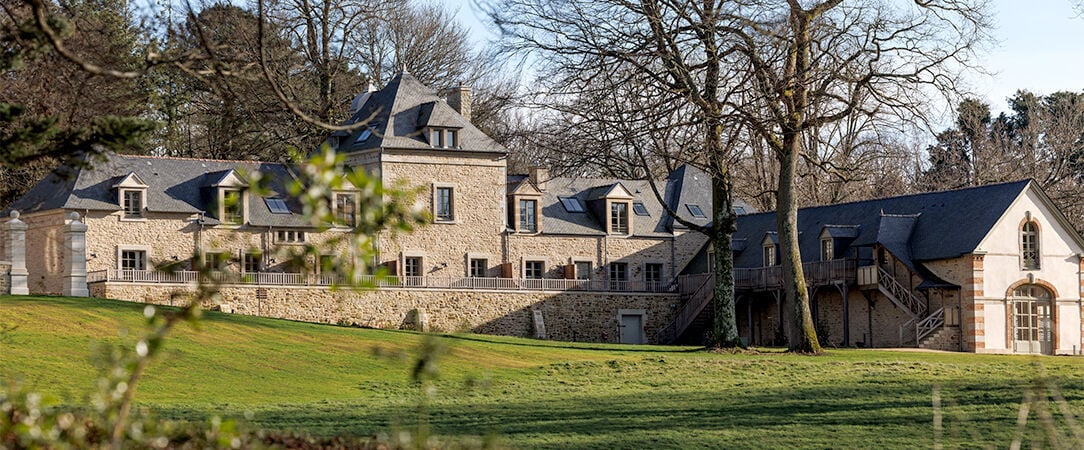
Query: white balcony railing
[[302, 279]]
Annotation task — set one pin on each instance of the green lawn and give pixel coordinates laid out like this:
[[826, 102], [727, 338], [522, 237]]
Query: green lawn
[[538, 394]]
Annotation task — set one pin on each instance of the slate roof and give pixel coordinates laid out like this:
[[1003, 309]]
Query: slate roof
[[174, 185], [398, 113], [686, 185], [915, 228]]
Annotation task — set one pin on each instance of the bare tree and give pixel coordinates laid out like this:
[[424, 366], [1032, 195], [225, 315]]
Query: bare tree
[[668, 56]]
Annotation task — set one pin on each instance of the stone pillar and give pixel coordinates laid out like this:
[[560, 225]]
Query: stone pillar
[[16, 253], [973, 320], [75, 245]]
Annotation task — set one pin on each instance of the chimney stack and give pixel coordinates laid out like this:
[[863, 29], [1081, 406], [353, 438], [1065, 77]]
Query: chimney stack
[[458, 98], [539, 176]]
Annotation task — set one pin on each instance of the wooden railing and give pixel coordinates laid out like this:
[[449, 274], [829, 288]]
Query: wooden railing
[[698, 290], [901, 294], [817, 273], [303, 279]]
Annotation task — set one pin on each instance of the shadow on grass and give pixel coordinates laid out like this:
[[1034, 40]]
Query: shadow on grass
[[823, 416], [524, 342]]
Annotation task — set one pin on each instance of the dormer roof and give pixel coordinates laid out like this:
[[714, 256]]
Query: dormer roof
[[397, 115], [228, 178], [131, 180]]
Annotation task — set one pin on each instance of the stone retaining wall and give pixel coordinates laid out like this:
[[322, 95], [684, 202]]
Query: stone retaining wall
[[5, 278], [567, 316]]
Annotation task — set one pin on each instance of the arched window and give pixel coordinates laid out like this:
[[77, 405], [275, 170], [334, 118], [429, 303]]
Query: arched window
[[1029, 246]]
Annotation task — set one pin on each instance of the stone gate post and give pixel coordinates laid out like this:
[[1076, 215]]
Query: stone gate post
[[16, 253], [75, 245]]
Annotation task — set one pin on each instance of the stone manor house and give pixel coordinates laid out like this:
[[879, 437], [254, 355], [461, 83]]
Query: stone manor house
[[987, 269]]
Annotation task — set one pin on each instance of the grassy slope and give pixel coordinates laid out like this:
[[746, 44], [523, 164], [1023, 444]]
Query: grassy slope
[[534, 394]]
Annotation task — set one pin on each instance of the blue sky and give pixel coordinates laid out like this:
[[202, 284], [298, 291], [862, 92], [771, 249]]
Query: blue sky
[[1040, 47]]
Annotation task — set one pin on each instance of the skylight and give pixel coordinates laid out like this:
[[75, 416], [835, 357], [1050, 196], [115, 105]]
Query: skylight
[[639, 209], [277, 205], [363, 136], [739, 210], [572, 204], [696, 211]]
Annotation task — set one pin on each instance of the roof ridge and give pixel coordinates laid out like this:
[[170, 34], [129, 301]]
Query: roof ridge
[[916, 194], [183, 158]]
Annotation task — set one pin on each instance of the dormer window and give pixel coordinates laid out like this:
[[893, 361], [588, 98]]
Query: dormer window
[[232, 201], [528, 215], [233, 207], [133, 203], [444, 138], [827, 250], [619, 218], [132, 196], [769, 255]]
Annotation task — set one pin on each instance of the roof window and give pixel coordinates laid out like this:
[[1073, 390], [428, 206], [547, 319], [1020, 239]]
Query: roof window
[[277, 205], [364, 136], [572, 204], [696, 211], [640, 209]]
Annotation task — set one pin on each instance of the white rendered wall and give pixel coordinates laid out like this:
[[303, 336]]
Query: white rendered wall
[[1059, 267]]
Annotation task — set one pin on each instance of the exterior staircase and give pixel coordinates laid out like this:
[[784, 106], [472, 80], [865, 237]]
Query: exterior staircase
[[923, 322], [696, 311]]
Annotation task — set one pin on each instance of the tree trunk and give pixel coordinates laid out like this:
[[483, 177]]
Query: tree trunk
[[803, 332], [725, 330]]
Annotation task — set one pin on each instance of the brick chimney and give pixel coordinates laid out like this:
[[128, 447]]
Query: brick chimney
[[539, 176], [459, 99]]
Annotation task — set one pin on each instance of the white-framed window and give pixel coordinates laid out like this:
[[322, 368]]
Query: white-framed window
[[290, 237], [233, 206], [216, 260], [133, 202], [477, 267], [619, 218], [253, 262], [131, 259], [769, 255], [828, 251], [443, 138], [653, 276], [528, 215], [619, 275], [346, 209], [584, 270], [534, 269], [1029, 246], [444, 203], [413, 266]]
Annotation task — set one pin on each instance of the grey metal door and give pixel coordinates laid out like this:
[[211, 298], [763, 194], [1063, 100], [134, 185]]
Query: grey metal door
[[632, 329]]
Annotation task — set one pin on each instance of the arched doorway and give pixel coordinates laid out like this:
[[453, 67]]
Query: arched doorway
[[1032, 321]]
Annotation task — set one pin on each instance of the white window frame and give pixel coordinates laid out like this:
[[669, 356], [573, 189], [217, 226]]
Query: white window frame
[[520, 216], [420, 256], [283, 237], [613, 216], [146, 249], [828, 249], [1035, 262], [451, 202], [354, 198], [768, 255], [242, 203], [533, 259], [662, 272], [123, 194], [488, 258], [576, 268]]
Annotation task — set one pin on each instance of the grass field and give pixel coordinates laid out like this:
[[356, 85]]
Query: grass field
[[539, 394]]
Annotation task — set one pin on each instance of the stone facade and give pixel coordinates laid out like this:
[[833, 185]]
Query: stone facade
[[568, 316]]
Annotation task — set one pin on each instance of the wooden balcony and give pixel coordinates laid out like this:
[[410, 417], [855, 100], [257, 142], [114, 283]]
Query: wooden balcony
[[818, 273]]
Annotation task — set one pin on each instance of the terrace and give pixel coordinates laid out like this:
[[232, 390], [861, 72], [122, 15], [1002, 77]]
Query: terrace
[[391, 282]]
